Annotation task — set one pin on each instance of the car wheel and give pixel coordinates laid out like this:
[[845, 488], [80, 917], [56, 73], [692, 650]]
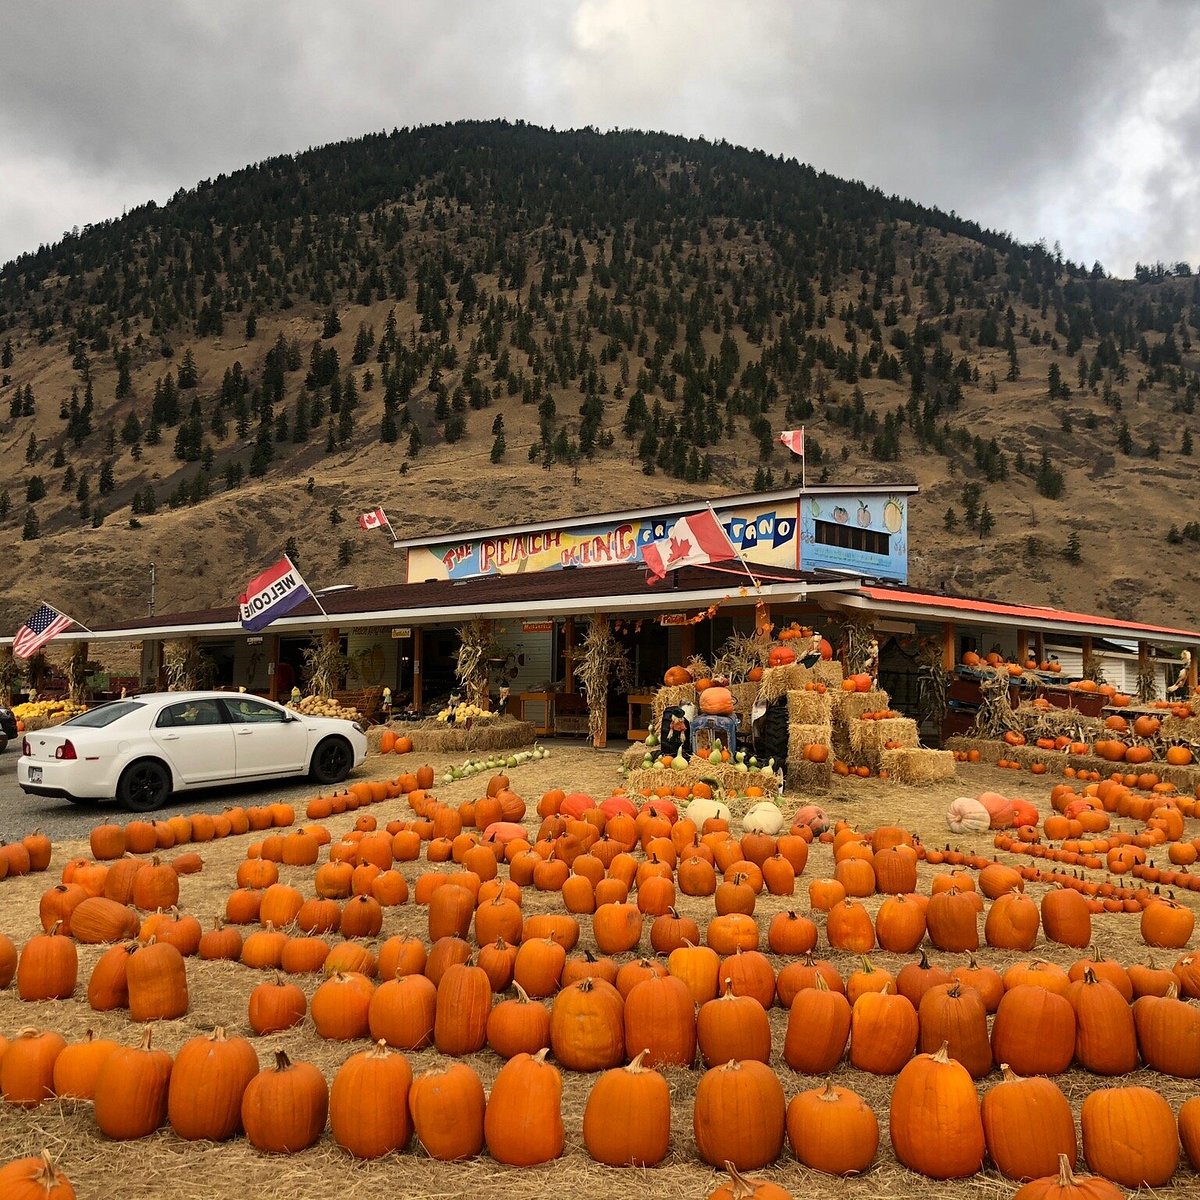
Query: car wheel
[[144, 785], [331, 760]]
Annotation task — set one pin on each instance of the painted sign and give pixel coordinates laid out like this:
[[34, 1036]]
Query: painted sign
[[399, 632], [852, 532], [674, 619], [536, 626], [763, 534]]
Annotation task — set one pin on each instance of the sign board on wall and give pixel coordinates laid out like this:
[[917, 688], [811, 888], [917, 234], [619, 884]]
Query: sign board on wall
[[401, 631], [764, 534], [853, 532], [674, 619], [536, 626]]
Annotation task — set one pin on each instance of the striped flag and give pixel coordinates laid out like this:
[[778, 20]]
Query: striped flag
[[793, 439], [375, 519], [690, 542], [44, 626], [271, 595]]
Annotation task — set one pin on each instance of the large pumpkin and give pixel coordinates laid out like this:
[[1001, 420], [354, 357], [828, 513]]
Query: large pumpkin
[[935, 1120], [677, 676], [781, 656], [717, 700]]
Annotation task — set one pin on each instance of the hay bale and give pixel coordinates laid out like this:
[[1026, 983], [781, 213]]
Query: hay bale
[[870, 737], [744, 695], [730, 779], [990, 751], [831, 673], [805, 778], [1186, 728], [800, 736], [776, 681], [1186, 779], [810, 708], [503, 733], [917, 766], [854, 704], [671, 697], [633, 756]]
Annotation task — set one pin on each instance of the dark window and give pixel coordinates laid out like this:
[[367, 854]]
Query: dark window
[[852, 537], [105, 714]]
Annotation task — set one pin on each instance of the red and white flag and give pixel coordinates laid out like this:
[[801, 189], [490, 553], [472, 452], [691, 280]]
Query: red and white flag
[[690, 542], [44, 626], [793, 439], [375, 519]]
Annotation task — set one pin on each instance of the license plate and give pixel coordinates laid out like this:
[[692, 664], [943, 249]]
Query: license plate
[[35, 774]]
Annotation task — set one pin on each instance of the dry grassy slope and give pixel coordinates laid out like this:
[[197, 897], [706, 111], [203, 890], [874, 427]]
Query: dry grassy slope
[[1121, 507]]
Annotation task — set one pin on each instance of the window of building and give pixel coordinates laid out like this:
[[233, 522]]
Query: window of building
[[852, 537]]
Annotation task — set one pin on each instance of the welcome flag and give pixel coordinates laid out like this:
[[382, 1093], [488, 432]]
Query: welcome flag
[[690, 542], [271, 595], [793, 439], [375, 519], [44, 626]]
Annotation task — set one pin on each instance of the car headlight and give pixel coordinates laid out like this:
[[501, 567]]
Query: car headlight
[[360, 727]]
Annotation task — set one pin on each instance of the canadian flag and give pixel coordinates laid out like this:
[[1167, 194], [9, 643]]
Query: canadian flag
[[375, 519], [690, 542], [793, 439]]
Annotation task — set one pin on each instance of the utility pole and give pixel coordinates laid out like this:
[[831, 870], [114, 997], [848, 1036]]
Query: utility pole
[[151, 589]]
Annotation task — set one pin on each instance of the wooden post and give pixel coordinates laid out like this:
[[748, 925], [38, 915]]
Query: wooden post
[[687, 643], [273, 661], [1192, 680], [1039, 647], [601, 738], [418, 648], [1022, 647], [948, 646], [1086, 653], [569, 655]]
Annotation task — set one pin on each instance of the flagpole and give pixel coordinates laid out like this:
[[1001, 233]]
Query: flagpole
[[803, 464], [737, 553]]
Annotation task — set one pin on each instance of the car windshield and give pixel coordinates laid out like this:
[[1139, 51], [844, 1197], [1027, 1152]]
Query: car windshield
[[105, 714]]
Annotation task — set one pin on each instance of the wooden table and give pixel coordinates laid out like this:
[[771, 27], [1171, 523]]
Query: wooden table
[[545, 727], [637, 702]]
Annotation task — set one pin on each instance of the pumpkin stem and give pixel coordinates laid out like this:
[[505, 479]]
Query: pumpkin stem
[[1010, 1076], [742, 1188], [282, 1062], [728, 993], [379, 1050], [923, 962], [217, 1035], [636, 1067], [1066, 1177], [821, 985], [522, 994], [1172, 992], [955, 989], [829, 1093], [540, 1056], [47, 1176], [147, 1035], [942, 1055]]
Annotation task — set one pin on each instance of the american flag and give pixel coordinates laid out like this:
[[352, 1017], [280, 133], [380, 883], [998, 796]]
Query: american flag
[[44, 626]]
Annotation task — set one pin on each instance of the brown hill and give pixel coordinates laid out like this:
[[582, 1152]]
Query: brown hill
[[549, 280]]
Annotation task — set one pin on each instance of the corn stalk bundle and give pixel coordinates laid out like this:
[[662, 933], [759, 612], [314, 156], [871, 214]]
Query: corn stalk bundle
[[1093, 668], [324, 664], [603, 660], [996, 715], [476, 646], [1147, 685], [856, 636], [185, 667], [10, 672], [932, 683], [76, 672], [698, 667], [741, 653]]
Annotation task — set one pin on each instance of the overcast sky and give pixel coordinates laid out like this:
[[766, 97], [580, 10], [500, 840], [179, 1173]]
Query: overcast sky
[[1075, 121]]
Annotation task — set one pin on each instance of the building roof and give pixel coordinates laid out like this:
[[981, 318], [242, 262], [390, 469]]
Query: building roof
[[913, 603], [620, 588]]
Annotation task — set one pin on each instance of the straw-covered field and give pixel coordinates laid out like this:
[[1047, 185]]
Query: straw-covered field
[[164, 1165]]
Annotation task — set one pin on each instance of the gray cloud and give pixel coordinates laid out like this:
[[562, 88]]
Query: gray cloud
[[1077, 121]]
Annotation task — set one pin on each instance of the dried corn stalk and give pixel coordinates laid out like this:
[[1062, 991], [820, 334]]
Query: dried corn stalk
[[603, 661], [185, 667], [996, 715], [857, 637], [932, 683], [324, 665], [741, 653], [477, 644], [1147, 685], [10, 673], [76, 673], [698, 666]]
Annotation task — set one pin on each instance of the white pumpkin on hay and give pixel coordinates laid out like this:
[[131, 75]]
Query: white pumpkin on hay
[[968, 815], [763, 817], [706, 808]]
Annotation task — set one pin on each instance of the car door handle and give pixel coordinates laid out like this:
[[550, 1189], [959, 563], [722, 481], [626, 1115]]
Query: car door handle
[[243, 732], [170, 737]]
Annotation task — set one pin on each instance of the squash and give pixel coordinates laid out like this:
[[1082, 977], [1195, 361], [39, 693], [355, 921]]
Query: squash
[[968, 815], [763, 817], [706, 808]]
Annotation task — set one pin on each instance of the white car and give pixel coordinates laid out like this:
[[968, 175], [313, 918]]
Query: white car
[[142, 749]]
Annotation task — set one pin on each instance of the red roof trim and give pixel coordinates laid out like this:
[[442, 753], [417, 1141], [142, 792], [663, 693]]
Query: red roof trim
[[887, 595]]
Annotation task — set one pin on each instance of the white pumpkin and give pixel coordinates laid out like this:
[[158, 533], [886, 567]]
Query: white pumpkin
[[763, 817], [967, 815], [706, 808]]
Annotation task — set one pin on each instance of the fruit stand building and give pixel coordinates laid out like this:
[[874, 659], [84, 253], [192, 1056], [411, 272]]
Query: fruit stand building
[[822, 557]]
